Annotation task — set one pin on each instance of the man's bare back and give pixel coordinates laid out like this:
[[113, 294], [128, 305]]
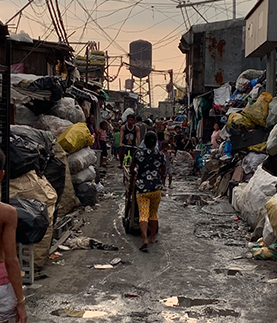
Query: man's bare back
[[9, 263]]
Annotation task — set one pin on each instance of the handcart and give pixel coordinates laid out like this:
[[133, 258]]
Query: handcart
[[131, 215]]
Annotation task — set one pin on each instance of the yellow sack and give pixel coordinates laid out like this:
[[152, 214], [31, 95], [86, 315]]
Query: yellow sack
[[240, 121], [271, 207], [76, 137], [258, 112], [258, 148]]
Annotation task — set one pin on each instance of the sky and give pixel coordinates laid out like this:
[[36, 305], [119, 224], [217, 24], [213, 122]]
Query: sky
[[114, 24]]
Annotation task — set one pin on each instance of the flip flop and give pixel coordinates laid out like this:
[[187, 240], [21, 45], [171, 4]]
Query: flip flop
[[143, 248]]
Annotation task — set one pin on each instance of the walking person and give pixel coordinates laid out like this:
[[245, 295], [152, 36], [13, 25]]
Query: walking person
[[150, 164], [103, 140], [167, 152], [129, 135], [142, 127], [12, 301]]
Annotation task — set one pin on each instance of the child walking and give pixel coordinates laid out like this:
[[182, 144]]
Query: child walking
[[167, 152], [116, 140], [102, 140]]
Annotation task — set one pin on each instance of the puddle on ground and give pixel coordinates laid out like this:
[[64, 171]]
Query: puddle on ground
[[187, 302]]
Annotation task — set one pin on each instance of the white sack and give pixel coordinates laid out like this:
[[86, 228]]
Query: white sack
[[53, 124], [86, 175], [68, 110], [125, 113], [255, 194], [81, 160]]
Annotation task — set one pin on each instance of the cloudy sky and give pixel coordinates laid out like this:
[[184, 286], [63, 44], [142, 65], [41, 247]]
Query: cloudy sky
[[114, 24]]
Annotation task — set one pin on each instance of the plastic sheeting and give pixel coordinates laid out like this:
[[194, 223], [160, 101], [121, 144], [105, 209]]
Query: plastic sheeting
[[24, 116], [252, 161], [81, 160], [86, 175], [254, 195], [32, 220], [31, 186], [53, 124]]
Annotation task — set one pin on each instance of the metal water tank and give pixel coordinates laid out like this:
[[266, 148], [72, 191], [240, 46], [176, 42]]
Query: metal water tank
[[140, 58]]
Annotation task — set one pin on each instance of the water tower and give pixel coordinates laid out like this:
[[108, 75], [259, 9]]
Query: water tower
[[141, 67]]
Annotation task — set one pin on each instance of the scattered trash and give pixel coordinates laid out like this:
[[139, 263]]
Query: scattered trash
[[65, 248], [55, 255], [107, 266], [187, 302], [272, 281], [82, 314], [131, 295], [59, 262], [115, 261]]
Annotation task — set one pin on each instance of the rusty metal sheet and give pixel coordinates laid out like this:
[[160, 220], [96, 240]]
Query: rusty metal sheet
[[223, 56]]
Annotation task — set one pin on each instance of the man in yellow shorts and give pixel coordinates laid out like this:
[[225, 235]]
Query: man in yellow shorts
[[151, 166]]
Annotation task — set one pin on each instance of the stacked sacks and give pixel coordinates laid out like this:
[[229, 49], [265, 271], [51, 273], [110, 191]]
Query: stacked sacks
[[37, 173], [83, 173], [68, 199], [32, 186]]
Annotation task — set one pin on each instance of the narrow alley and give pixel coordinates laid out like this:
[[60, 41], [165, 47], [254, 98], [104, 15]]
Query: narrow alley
[[199, 271]]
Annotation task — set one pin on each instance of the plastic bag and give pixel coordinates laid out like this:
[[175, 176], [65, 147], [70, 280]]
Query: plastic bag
[[55, 174], [55, 84], [261, 252], [268, 234], [24, 157], [271, 207], [87, 193], [32, 220], [228, 148], [66, 109], [251, 162], [247, 75], [126, 113], [24, 116], [258, 112], [76, 137], [237, 120], [86, 175], [31, 186], [271, 119], [271, 145], [81, 160], [255, 194], [53, 124]]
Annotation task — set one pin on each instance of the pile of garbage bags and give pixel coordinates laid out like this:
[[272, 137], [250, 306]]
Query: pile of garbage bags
[[52, 163], [249, 159]]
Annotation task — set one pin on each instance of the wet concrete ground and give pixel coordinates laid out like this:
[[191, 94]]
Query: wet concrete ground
[[199, 270]]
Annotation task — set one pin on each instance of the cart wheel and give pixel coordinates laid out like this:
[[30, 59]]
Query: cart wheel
[[127, 226]]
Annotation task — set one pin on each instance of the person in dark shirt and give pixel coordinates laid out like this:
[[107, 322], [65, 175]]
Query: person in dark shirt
[[151, 166], [178, 138]]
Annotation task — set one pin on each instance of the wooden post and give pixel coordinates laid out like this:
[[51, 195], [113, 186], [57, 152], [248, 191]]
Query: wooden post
[[271, 72]]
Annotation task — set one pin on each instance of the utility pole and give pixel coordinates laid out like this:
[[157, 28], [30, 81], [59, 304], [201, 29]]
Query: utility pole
[[234, 9]]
